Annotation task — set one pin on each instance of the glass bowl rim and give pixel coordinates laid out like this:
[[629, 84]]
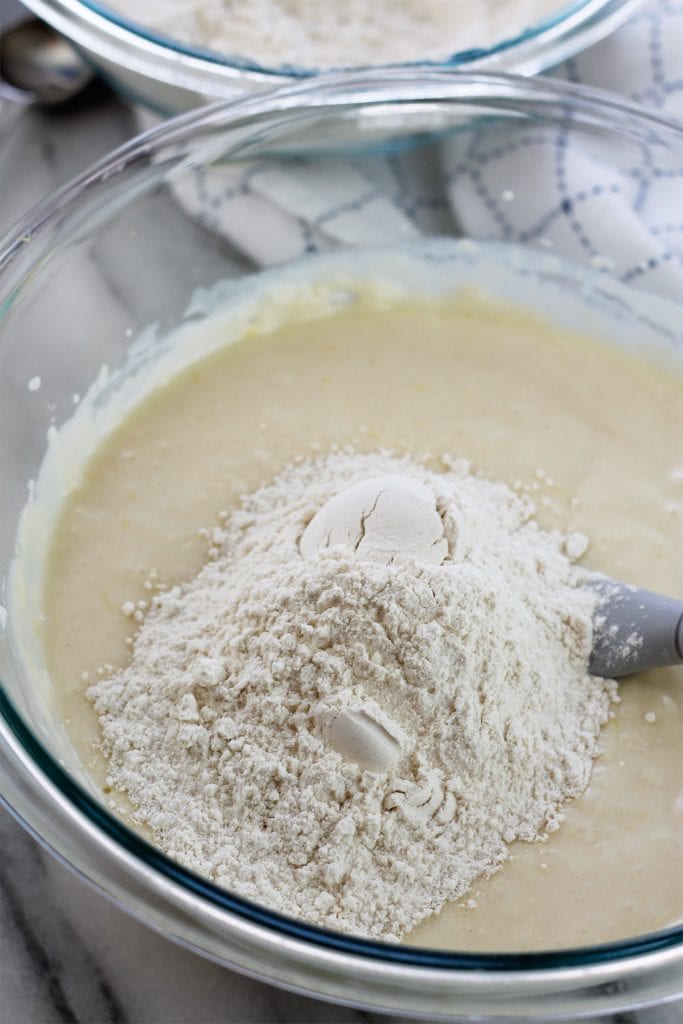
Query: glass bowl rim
[[338, 90], [334, 91]]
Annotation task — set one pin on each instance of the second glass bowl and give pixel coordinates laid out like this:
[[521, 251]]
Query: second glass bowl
[[169, 76]]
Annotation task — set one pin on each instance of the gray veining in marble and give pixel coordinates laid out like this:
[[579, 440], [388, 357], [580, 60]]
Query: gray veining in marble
[[67, 954]]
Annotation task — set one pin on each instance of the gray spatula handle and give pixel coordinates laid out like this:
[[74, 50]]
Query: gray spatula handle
[[634, 629]]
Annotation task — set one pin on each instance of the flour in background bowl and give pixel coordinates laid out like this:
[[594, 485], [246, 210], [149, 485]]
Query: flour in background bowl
[[355, 33]]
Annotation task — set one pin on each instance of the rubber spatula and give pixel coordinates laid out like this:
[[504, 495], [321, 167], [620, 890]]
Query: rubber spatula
[[634, 629]]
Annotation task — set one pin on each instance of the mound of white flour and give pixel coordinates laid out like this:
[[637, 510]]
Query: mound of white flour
[[354, 741]]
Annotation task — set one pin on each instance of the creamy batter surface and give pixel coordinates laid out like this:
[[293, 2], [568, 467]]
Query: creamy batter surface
[[591, 433]]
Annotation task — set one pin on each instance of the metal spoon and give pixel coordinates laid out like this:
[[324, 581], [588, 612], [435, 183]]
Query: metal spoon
[[40, 66], [634, 629]]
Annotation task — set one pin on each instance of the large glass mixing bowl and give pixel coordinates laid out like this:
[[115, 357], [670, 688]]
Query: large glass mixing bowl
[[170, 76], [338, 162]]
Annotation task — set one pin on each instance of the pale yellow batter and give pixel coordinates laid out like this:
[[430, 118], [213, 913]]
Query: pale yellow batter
[[593, 434]]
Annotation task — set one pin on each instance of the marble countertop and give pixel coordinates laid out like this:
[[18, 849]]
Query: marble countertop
[[66, 954]]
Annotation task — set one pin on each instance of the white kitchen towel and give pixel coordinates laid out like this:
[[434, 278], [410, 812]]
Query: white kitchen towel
[[617, 208]]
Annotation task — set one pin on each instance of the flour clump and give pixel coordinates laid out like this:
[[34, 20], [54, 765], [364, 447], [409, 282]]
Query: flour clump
[[384, 519], [350, 739]]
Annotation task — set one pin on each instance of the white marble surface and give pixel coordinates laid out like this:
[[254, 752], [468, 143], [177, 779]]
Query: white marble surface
[[66, 954]]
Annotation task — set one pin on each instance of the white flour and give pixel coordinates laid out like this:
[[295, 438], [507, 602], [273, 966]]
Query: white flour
[[350, 741], [320, 34]]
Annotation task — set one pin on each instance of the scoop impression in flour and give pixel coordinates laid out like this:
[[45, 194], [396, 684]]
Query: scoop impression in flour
[[385, 519], [360, 732]]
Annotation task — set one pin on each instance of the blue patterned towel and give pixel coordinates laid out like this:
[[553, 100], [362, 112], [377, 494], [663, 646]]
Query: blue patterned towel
[[552, 188]]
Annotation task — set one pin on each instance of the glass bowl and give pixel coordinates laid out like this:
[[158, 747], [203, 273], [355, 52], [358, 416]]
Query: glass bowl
[[126, 245], [170, 77]]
